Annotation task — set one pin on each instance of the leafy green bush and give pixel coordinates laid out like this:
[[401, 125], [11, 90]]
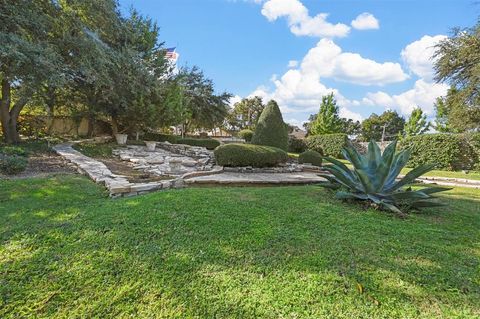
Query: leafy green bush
[[13, 150], [12, 164], [473, 139], [157, 137], [238, 155], [246, 135], [310, 157], [374, 179], [446, 151], [328, 144], [270, 129], [209, 143], [296, 145]]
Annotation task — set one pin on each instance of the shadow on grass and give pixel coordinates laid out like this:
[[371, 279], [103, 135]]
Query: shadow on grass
[[66, 250]]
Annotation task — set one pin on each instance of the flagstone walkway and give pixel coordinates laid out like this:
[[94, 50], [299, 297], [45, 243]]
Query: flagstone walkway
[[232, 178]]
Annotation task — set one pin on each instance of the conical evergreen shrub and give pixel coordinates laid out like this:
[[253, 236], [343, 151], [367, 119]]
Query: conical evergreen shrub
[[271, 130]]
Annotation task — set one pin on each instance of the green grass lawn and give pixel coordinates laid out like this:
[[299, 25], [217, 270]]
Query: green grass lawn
[[67, 251]]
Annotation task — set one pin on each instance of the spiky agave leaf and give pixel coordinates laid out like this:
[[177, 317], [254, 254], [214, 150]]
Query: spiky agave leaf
[[374, 178]]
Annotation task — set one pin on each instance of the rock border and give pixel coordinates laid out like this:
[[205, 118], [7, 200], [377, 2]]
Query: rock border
[[117, 185]]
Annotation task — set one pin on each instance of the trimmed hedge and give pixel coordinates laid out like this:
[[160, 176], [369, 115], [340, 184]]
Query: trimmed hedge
[[238, 155], [157, 137], [473, 139], [246, 135], [446, 151], [270, 129], [311, 157], [209, 143], [328, 144], [296, 145]]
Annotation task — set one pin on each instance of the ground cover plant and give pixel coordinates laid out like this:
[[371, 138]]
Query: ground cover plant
[[14, 159], [95, 149], [281, 252]]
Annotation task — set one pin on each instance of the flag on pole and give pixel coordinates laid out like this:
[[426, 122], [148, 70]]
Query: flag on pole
[[171, 54]]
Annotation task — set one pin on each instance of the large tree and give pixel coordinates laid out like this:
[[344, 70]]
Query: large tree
[[417, 123], [386, 126], [457, 61], [327, 120], [28, 57], [202, 107], [245, 113]]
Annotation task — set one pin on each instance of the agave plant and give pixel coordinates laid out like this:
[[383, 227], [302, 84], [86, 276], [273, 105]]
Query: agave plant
[[374, 178]]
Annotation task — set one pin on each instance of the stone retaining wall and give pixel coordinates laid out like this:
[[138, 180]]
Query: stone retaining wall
[[117, 185], [188, 150]]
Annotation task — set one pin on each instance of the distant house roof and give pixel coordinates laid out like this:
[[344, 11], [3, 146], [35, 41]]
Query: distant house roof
[[298, 133]]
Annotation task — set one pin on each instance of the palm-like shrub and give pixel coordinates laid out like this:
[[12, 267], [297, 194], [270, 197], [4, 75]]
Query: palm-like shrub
[[374, 178]]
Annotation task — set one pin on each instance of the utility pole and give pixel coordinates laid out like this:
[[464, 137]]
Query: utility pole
[[383, 133]]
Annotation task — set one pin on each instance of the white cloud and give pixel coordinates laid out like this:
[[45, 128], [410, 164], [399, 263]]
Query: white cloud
[[300, 89], [292, 63], [365, 21], [423, 95], [234, 99], [299, 20], [418, 56], [328, 60], [346, 113]]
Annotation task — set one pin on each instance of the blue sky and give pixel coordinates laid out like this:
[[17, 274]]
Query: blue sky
[[380, 61]]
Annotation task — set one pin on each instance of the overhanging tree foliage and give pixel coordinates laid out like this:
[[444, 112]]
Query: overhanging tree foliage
[[457, 61], [98, 63], [28, 58], [202, 107]]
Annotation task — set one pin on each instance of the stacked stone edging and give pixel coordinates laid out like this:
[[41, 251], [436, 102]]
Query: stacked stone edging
[[188, 150], [117, 185]]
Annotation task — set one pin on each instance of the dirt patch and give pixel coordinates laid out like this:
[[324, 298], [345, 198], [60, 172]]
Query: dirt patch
[[43, 165], [120, 167]]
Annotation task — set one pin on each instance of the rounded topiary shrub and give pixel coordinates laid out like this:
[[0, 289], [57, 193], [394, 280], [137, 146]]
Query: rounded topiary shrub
[[271, 130], [209, 143], [238, 155], [296, 145], [310, 157], [246, 135], [12, 164]]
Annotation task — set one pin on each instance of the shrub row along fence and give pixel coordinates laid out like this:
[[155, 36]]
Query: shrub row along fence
[[447, 151]]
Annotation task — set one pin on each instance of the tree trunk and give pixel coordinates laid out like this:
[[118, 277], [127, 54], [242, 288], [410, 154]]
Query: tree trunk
[[91, 125], [50, 102], [9, 117], [114, 125]]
